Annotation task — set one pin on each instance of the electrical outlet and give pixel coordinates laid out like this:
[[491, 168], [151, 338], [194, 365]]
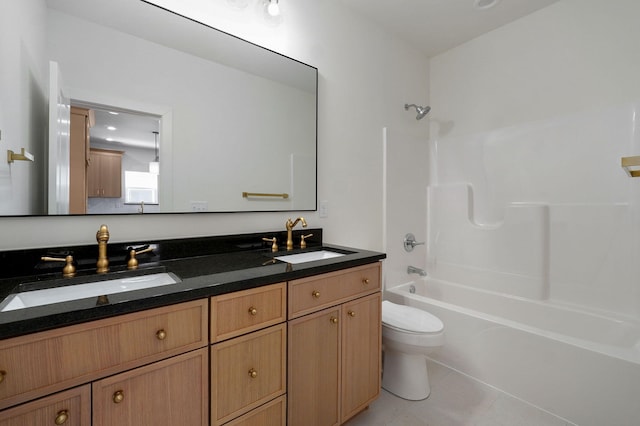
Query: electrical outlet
[[199, 206], [324, 208]]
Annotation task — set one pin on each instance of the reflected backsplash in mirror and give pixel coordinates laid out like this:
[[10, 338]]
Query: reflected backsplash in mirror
[[223, 116]]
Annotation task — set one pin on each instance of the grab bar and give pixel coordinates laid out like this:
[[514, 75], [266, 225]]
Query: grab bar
[[261, 194]]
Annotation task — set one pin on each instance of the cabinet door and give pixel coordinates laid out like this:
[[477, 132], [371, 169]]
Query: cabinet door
[[246, 372], [68, 408], [94, 184], [105, 173], [314, 369], [169, 392], [361, 354], [111, 175]]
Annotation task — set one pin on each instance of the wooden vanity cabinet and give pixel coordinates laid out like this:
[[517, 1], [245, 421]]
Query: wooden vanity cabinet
[[334, 350], [148, 345], [248, 356], [235, 359], [42, 363]]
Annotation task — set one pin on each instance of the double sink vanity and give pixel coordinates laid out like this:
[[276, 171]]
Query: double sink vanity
[[201, 331]]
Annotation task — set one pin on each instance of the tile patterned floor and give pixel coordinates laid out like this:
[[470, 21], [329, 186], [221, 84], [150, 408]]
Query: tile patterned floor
[[455, 400]]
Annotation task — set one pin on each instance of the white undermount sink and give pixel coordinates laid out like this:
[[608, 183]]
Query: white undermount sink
[[309, 256], [28, 299]]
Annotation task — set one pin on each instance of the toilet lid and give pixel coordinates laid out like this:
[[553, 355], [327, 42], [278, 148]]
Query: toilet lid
[[409, 318]]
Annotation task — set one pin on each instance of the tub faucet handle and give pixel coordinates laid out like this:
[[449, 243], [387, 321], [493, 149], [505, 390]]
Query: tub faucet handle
[[410, 242]]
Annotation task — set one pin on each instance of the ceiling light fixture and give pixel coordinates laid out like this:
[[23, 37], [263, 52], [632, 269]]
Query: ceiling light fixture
[[485, 4], [273, 8]]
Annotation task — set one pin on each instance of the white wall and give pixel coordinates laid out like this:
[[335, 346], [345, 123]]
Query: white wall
[[540, 111], [366, 76], [23, 112]]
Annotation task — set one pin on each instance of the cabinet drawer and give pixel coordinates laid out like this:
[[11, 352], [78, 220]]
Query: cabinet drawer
[[173, 391], [71, 408], [246, 372], [241, 312], [307, 295], [46, 362], [272, 413]]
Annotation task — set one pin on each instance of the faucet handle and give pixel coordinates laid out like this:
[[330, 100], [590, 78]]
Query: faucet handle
[[132, 263], [303, 243], [69, 269], [274, 240], [410, 242]]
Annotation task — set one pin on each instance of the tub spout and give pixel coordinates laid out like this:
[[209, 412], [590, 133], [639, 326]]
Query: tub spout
[[414, 270]]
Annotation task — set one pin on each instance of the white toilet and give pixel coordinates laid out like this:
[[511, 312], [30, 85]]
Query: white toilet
[[408, 335]]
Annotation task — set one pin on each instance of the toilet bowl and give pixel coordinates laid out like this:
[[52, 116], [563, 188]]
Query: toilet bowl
[[408, 336]]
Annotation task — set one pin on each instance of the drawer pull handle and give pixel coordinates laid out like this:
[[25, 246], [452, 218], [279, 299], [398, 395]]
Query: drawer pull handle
[[352, 314], [253, 373], [365, 281], [62, 417], [161, 334], [2, 374], [118, 397], [253, 311], [333, 320], [316, 294]]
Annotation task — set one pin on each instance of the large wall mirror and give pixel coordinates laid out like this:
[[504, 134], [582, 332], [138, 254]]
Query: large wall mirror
[[149, 111]]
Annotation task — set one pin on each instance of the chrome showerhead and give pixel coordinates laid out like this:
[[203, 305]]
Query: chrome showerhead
[[422, 111]]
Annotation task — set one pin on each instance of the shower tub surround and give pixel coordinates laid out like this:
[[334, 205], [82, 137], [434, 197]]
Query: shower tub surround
[[533, 236]]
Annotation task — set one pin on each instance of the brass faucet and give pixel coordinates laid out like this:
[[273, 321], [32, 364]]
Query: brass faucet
[[289, 225], [102, 236]]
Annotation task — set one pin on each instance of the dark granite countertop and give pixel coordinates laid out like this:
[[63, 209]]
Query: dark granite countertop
[[220, 270]]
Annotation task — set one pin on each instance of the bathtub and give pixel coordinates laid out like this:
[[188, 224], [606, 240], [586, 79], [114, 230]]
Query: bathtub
[[581, 366]]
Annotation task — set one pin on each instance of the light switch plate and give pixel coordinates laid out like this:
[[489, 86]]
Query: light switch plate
[[199, 206], [323, 210]]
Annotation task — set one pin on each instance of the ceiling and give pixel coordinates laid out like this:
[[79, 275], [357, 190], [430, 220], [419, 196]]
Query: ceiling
[[434, 26], [122, 129]]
